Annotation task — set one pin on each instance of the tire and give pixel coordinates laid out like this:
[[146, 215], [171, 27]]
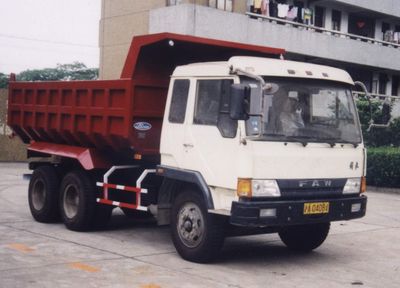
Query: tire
[[78, 207], [305, 238], [137, 214], [43, 194], [201, 242]]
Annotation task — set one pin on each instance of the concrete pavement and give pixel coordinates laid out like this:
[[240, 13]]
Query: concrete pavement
[[364, 252]]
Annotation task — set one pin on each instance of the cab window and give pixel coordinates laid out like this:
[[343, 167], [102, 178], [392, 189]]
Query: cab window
[[180, 93], [212, 106]]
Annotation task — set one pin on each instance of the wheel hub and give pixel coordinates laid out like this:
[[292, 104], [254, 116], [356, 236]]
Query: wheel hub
[[38, 195], [71, 201], [190, 225]]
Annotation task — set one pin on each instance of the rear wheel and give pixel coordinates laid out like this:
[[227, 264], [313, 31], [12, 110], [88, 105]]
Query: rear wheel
[[43, 194], [305, 237], [78, 206], [197, 235]]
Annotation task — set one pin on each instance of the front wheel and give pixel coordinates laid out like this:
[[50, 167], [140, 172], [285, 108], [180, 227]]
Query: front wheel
[[197, 235], [305, 237]]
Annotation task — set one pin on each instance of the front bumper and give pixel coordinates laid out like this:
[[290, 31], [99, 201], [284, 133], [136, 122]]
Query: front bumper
[[290, 212]]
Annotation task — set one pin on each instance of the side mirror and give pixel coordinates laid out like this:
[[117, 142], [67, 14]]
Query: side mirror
[[240, 101], [386, 117]]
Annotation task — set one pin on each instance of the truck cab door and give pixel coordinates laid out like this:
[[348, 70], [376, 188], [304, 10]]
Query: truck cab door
[[209, 141], [173, 129]]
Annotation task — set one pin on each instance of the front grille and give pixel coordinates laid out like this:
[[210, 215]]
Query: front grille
[[311, 188], [311, 193]]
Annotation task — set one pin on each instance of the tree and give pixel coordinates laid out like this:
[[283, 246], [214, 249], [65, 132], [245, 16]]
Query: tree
[[3, 80], [74, 71]]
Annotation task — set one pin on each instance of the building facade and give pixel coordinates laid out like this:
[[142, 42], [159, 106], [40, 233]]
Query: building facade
[[360, 36]]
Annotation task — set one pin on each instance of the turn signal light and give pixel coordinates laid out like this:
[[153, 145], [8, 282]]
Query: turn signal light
[[244, 187], [363, 184]]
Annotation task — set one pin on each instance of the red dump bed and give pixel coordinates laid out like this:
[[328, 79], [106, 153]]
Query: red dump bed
[[97, 114], [101, 115]]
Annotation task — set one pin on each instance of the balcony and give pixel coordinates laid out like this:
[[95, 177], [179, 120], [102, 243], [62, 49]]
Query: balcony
[[388, 7], [297, 39]]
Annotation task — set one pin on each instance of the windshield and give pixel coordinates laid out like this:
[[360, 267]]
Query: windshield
[[306, 111]]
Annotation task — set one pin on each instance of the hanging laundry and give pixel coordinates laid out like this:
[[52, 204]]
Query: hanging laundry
[[283, 10], [389, 36], [360, 24], [273, 8], [257, 6], [292, 14], [307, 16], [396, 37], [265, 7]]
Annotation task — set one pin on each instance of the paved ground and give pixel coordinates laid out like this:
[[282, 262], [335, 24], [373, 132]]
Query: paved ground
[[137, 254]]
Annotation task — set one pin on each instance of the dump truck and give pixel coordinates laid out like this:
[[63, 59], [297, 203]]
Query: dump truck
[[214, 138]]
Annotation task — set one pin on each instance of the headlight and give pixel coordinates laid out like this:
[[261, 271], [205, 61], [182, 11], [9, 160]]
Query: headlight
[[353, 186], [257, 188], [265, 188]]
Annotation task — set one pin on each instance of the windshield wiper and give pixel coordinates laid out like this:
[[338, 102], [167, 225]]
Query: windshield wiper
[[355, 144], [300, 139], [273, 134], [333, 142]]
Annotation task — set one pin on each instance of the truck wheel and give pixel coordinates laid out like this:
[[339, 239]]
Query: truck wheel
[[305, 237], [43, 194], [197, 235], [79, 209]]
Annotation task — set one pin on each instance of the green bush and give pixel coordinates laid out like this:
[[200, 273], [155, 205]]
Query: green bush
[[383, 167]]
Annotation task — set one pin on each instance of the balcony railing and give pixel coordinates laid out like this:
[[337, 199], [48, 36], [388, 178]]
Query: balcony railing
[[323, 30]]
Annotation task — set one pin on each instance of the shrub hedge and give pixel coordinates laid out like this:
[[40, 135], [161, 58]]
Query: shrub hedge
[[383, 167]]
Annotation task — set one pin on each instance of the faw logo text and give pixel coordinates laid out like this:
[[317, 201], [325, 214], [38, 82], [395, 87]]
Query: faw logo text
[[315, 183], [142, 126]]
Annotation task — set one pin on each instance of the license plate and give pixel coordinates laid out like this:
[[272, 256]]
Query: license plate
[[316, 208]]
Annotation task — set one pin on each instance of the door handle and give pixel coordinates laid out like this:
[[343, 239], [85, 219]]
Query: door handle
[[188, 145]]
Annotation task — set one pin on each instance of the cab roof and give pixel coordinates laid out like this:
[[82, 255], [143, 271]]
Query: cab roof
[[264, 67]]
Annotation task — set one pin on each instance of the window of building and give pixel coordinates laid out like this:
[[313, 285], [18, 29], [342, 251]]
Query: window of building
[[361, 25], [386, 31], [180, 93], [212, 106], [363, 75], [385, 27], [319, 16], [336, 20], [226, 5]]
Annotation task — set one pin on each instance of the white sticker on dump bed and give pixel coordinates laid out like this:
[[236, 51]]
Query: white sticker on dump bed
[[142, 126]]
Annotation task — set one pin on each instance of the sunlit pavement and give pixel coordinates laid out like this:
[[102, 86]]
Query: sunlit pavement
[[139, 254]]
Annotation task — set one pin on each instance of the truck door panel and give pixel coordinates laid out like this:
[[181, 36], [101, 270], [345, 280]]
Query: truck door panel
[[172, 148], [204, 140]]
